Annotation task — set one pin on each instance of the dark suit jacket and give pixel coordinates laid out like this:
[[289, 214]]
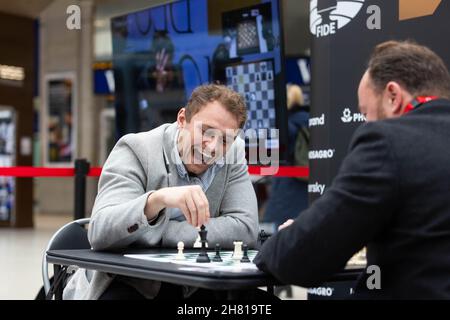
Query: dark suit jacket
[[392, 193]]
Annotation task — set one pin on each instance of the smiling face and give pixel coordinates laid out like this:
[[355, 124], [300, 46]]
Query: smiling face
[[206, 137]]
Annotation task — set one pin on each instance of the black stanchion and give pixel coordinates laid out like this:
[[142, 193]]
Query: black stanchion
[[82, 167]]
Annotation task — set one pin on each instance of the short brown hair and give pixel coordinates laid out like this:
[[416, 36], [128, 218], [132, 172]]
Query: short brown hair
[[231, 100], [416, 67]]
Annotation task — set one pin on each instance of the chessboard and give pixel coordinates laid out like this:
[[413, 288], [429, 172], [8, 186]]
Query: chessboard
[[255, 81], [247, 36], [227, 264]]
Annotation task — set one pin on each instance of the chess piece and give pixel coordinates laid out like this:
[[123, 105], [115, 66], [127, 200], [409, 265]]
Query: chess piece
[[217, 257], [263, 66], [180, 255], [245, 258], [197, 243], [237, 254], [203, 255], [262, 237]]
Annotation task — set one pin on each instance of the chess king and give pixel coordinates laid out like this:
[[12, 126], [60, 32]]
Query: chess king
[[158, 187]]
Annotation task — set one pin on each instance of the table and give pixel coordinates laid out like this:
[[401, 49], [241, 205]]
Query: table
[[116, 263]]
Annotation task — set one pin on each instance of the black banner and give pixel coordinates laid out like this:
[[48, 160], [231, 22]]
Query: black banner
[[344, 34]]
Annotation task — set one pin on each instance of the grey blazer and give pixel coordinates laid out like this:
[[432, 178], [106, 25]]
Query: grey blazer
[[137, 166]]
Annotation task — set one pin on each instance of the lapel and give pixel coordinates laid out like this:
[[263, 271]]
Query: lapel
[[215, 190], [168, 152]]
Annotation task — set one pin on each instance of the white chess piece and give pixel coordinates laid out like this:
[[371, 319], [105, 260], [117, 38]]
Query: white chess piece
[[180, 254], [237, 254], [197, 243]]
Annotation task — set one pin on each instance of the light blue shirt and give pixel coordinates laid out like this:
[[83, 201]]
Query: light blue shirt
[[204, 180]]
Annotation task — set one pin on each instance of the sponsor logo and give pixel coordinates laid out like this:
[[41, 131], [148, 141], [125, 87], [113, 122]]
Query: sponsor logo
[[328, 16], [410, 9], [316, 188], [349, 117], [321, 154], [318, 121], [321, 291]]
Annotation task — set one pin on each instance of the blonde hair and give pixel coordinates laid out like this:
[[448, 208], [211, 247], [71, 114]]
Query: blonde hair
[[294, 96]]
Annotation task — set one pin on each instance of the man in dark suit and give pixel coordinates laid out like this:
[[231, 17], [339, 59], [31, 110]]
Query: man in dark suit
[[392, 193]]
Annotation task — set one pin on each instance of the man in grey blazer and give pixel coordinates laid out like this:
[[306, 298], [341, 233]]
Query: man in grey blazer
[[158, 187]]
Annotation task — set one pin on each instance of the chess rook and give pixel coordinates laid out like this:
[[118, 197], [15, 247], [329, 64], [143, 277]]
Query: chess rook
[[237, 254]]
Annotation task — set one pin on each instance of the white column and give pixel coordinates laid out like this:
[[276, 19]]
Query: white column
[[86, 112]]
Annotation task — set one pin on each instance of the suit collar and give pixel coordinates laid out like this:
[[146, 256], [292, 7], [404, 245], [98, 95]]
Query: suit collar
[[434, 103]]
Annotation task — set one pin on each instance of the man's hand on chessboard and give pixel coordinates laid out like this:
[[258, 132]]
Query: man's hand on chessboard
[[286, 224], [191, 200]]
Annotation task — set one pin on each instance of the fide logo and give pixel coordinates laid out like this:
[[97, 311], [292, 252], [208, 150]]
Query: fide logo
[[327, 16]]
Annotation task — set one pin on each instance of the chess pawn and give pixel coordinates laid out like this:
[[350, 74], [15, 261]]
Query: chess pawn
[[245, 258], [180, 255], [217, 257]]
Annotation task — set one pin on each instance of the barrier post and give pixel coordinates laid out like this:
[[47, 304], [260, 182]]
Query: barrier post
[[82, 167]]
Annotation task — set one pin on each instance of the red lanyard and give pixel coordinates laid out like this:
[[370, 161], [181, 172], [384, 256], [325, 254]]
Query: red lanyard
[[417, 102]]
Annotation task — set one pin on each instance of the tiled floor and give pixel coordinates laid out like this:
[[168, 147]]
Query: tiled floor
[[21, 255]]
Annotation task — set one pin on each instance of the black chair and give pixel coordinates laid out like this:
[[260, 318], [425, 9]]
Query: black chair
[[71, 236]]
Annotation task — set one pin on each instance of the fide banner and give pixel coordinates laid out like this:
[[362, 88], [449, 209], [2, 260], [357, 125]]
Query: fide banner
[[344, 34]]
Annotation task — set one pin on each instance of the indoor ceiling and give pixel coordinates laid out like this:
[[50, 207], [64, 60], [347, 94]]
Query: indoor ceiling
[[106, 8], [27, 8]]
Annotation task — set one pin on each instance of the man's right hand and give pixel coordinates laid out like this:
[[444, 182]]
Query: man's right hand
[[191, 200]]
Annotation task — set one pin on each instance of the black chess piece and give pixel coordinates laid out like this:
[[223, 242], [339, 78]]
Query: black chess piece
[[217, 257], [263, 66], [203, 255], [262, 237], [245, 258]]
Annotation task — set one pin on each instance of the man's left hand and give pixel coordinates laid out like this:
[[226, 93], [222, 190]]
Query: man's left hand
[[285, 225]]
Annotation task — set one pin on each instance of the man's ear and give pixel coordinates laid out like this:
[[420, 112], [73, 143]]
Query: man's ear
[[181, 118], [395, 97]]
